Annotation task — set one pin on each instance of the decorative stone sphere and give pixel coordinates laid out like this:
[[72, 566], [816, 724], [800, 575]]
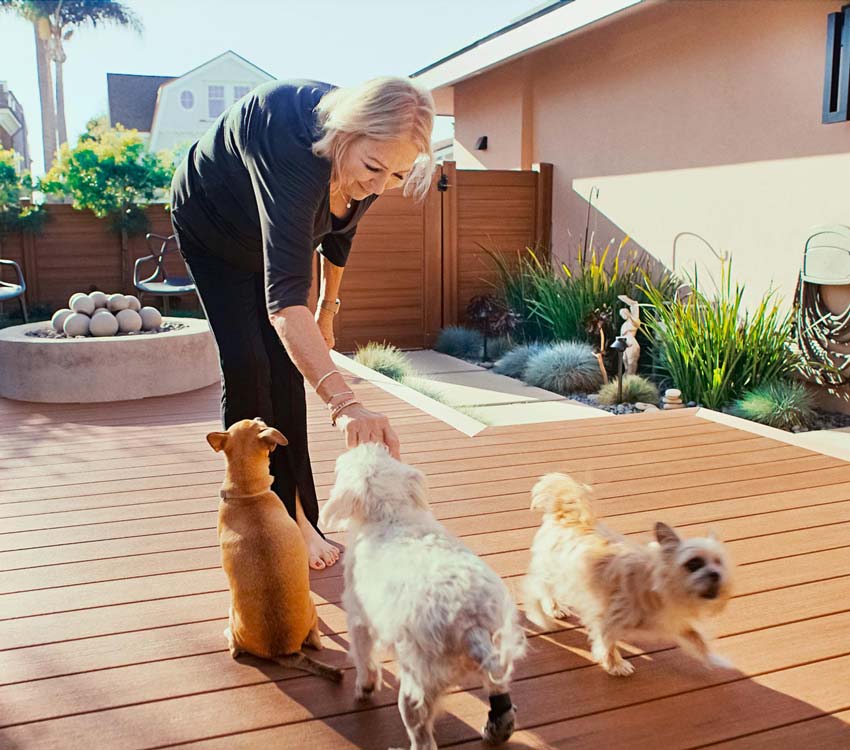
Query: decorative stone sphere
[[99, 299], [76, 324], [105, 324], [58, 319], [116, 302], [129, 321], [133, 302], [73, 297], [151, 318], [83, 304], [101, 311]]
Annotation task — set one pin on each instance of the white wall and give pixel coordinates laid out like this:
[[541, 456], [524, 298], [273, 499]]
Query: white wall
[[175, 125]]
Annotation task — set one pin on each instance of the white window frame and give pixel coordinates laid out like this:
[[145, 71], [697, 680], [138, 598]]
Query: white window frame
[[192, 95], [246, 88], [211, 99]]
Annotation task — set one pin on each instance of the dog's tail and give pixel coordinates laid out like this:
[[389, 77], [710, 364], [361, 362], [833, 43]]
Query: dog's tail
[[496, 651], [564, 497], [301, 661]]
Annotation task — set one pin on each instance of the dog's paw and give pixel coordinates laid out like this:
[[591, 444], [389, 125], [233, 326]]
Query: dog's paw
[[499, 730], [718, 662], [622, 668], [364, 688]]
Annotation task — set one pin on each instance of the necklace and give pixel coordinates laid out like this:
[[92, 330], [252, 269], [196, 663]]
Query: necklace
[[347, 201]]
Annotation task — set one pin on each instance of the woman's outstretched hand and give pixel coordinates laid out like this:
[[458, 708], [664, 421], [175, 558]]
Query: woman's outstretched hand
[[361, 425]]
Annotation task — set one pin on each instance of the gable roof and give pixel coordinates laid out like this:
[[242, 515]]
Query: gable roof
[[540, 26], [132, 99]]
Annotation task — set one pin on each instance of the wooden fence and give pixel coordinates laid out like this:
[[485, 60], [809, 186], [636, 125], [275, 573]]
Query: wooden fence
[[412, 269]]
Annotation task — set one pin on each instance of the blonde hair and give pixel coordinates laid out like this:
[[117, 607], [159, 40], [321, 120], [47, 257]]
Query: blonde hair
[[386, 109]]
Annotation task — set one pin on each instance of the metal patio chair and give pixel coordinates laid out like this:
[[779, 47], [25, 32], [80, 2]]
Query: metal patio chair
[[8, 290], [160, 283]]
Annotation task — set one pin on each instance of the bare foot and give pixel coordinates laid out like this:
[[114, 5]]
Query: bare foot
[[321, 554]]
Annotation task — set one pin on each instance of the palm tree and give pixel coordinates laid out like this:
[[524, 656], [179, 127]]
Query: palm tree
[[54, 22]]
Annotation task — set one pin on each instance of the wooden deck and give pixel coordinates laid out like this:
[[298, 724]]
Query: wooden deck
[[112, 603]]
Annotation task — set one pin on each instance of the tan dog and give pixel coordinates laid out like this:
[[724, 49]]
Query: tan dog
[[264, 556], [616, 586]]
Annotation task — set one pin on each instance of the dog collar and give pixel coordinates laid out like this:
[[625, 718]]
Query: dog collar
[[226, 495]]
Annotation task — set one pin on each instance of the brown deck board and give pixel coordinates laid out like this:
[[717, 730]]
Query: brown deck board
[[112, 602]]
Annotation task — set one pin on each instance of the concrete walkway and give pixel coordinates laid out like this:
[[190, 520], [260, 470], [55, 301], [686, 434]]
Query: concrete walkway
[[491, 398]]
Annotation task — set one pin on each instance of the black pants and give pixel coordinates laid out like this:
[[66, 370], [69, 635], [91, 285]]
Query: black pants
[[258, 379]]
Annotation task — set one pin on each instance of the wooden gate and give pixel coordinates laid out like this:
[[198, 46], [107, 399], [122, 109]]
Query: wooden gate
[[414, 267]]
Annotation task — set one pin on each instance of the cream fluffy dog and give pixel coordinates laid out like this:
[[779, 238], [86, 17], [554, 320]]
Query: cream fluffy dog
[[618, 587], [413, 589]]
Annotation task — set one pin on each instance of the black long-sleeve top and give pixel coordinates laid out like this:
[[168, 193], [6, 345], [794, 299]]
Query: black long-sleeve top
[[252, 192]]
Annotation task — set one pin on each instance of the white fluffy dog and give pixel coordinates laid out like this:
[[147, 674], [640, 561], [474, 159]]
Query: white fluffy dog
[[414, 590], [617, 586]]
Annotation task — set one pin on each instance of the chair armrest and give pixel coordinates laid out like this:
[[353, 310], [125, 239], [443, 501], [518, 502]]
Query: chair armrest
[[17, 268], [136, 270]]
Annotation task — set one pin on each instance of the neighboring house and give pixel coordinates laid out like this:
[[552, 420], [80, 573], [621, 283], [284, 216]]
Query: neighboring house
[[684, 115], [175, 111], [13, 126]]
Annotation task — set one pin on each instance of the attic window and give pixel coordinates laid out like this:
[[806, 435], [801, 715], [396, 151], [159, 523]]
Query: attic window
[[187, 99], [239, 92], [215, 100], [836, 83]]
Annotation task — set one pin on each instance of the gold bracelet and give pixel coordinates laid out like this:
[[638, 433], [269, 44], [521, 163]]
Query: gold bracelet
[[329, 402], [334, 306], [326, 375], [337, 409]]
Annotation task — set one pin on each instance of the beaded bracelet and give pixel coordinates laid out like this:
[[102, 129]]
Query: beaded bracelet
[[329, 402], [344, 405]]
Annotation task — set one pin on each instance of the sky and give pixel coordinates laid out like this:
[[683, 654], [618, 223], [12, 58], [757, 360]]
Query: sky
[[339, 41]]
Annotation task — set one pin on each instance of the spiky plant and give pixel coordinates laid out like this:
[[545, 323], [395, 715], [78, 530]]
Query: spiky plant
[[635, 388], [459, 341], [567, 367], [785, 404], [425, 387], [513, 362], [385, 359]]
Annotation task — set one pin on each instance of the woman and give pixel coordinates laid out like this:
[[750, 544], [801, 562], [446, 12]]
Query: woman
[[291, 166]]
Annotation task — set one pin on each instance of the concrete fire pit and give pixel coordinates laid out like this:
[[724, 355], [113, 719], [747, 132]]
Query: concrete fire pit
[[111, 368]]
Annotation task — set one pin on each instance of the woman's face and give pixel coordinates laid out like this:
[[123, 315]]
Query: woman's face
[[370, 167]]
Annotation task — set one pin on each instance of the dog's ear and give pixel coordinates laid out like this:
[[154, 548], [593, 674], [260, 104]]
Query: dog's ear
[[667, 538], [712, 534], [217, 440], [417, 489], [273, 438], [340, 507]]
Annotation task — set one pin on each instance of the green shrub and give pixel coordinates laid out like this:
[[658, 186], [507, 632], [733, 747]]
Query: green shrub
[[513, 363], [635, 388], [567, 367], [497, 347], [566, 305], [458, 341], [712, 349], [785, 404], [385, 359]]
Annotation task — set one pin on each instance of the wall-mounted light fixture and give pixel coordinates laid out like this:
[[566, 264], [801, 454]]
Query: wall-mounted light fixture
[[836, 81], [481, 143]]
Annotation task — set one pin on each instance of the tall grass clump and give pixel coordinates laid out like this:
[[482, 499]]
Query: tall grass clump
[[785, 404], [458, 341], [568, 367], [513, 363], [563, 304], [385, 359], [635, 389], [714, 350]]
